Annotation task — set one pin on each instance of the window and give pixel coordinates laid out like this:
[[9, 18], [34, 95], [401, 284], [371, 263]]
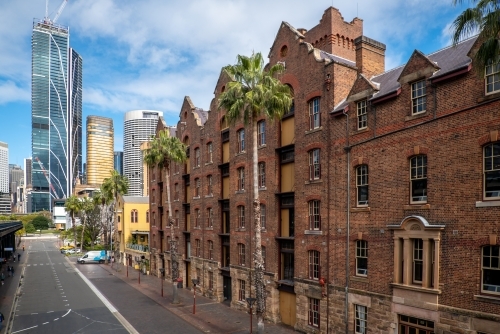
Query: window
[[241, 216], [263, 216], [210, 221], [169, 267], [418, 260], [418, 179], [119, 219], [197, 217], [241, 140], [197, 157], [210, 280], [492, 170], [262, 174], [210, 249], [177, 218], [263, 250], [209, 185], [133, 216], [241, 290], [176, 168], [492, 74], [361, 258], [147, 216], [411, 325], [362, 117], [314, 215], [176, 191], [210, 152], [314, 114], [314, 164], [313, 318], [197, 186], [241, 178], [418, 98], [241, 254], [362, 185], [198, 276], [261, 133], [287, 260], [169, 243], [360, 325], [197, 248], [491, 270], [314, 265]]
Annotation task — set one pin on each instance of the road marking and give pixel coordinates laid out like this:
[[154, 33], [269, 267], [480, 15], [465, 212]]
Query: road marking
[[56, 319], [66, 313], [50, 311], [22, 330], [33, 313], [45, 323]]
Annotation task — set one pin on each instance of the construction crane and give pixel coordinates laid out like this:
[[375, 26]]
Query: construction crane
[[59, 11], [47, 177]]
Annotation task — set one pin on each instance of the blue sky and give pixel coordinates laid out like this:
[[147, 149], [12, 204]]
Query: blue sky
[[149, 54]]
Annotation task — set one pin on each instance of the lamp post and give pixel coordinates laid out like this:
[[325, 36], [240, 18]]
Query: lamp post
[[126, 262], [139, 271], [195, 281], [250, 302], [162, 277]]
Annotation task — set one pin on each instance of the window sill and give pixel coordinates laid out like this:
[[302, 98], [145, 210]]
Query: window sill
[[209, 228], [196, 167], [240, 153], [489, 96], [416, 116], [196, 197], [262, 146], [361, 279], [241, 230], [485, 204], [313, 181], [209, 163], [207, 196], [361, 209], [487, 299], [176, 200], [314, 130], [240, 191], [313, 232], [416, 288], [417, 207], [362, 130], [262, 188]]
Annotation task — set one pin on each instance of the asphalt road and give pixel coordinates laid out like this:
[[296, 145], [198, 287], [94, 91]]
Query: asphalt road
[[56, 299]]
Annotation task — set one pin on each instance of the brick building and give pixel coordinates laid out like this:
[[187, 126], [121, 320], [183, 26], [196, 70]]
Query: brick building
[[379, 191]]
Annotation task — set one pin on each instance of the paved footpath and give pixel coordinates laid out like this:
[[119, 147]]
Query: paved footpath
[[210, 317]]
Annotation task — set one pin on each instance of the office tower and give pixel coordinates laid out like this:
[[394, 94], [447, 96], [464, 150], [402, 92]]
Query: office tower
[[100, 145], [4, 178], [27, 172], [15, 176], [139, 126], [118, 161], [56, 108]]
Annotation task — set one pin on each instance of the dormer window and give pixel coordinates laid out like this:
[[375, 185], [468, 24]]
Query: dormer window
[[492, 78], [418, 97]]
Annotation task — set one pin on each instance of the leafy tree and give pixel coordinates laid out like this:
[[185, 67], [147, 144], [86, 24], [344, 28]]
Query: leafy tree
[[87, 206], [254, 92], [29, 228], [163, 150], [73, 205], [41, 223], [114, 186], [485, 19]]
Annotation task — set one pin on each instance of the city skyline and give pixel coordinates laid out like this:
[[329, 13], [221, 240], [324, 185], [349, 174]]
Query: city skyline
[[154, 67]]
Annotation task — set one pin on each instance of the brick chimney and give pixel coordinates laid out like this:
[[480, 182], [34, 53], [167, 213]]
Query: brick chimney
[[370, 56]]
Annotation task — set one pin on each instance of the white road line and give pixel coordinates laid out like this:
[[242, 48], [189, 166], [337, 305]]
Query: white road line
[[56, 319], [45, 323], [66, 313], [33, 313], [22, 330], [50, 311]]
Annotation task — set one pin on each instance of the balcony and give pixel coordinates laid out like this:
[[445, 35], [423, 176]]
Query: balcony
[[137, 247]]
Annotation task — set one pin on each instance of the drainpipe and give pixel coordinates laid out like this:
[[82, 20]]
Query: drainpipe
[[347, 149]]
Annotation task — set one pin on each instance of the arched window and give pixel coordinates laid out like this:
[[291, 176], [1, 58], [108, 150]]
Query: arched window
[[418, 179], [133, 216], [263, 216], [241, 216], [241, 254], [262, 175], [314, 215], [241, 140], [314, 164], [492, 170], [197, 187], [147, 216], [362, 185], [209, 185], [241, 178], [210, 249], [210, 149], [210, 220], [197, 157], [314, 114], [261, 133]]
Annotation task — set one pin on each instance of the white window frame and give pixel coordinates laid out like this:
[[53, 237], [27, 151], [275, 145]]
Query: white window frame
[[314, 113], [418, 97], [314, 215], [360, 320], [418, 173], [241, 254], [361, 183], [241, 216], [492, 78], [210, 249], [262, 175], [361, 253], [261, 133], [418, 259], [313, 318], [242, 290], [197, 157], [210, 221], [315, 164], [314, 264], [210, 152], [263, 216], [241, 140], [490, 169], [241, 178], [362, 115], [494, 252]]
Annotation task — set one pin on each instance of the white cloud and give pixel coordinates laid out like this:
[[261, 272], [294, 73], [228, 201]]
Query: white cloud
[[10, 92]]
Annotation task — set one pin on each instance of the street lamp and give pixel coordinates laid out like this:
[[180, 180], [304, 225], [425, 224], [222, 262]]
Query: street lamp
[[139, 271], [195, 281], [162, 272], [250, 302]]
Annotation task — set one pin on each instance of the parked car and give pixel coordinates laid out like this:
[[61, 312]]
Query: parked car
[[70, 251]]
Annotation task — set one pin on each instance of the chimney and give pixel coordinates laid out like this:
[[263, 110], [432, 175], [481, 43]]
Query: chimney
[[370, 56]]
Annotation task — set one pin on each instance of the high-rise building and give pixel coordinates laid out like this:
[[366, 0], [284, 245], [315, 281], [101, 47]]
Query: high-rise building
[[5, 206], [100, 145], [27, 172], [56, 109], [140, 125], [118, 161], [15, 176]]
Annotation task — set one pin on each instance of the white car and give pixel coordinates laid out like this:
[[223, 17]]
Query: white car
[[70, 251]]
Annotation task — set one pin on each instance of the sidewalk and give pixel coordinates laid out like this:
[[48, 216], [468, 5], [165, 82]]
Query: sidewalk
[[8, 291], [210, 317]]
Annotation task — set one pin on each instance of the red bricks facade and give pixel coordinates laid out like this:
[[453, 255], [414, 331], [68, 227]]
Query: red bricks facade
[[454, 221]]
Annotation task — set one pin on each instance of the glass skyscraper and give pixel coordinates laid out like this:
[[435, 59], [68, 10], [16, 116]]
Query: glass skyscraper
[[118, 162], [56, 110]]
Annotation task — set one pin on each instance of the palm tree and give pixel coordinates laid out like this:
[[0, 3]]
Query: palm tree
[[114, 186], [252, 93], [86, 209], [73, 205], [163, 150], [485, 19]]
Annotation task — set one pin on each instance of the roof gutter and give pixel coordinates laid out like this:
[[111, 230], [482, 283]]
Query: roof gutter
[[453, 74], [386, 97]]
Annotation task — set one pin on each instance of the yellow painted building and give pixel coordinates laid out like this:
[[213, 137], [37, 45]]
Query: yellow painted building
[[132, 226], [100, 149]]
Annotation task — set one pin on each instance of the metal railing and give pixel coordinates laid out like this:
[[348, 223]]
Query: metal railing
[[140, 248]]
